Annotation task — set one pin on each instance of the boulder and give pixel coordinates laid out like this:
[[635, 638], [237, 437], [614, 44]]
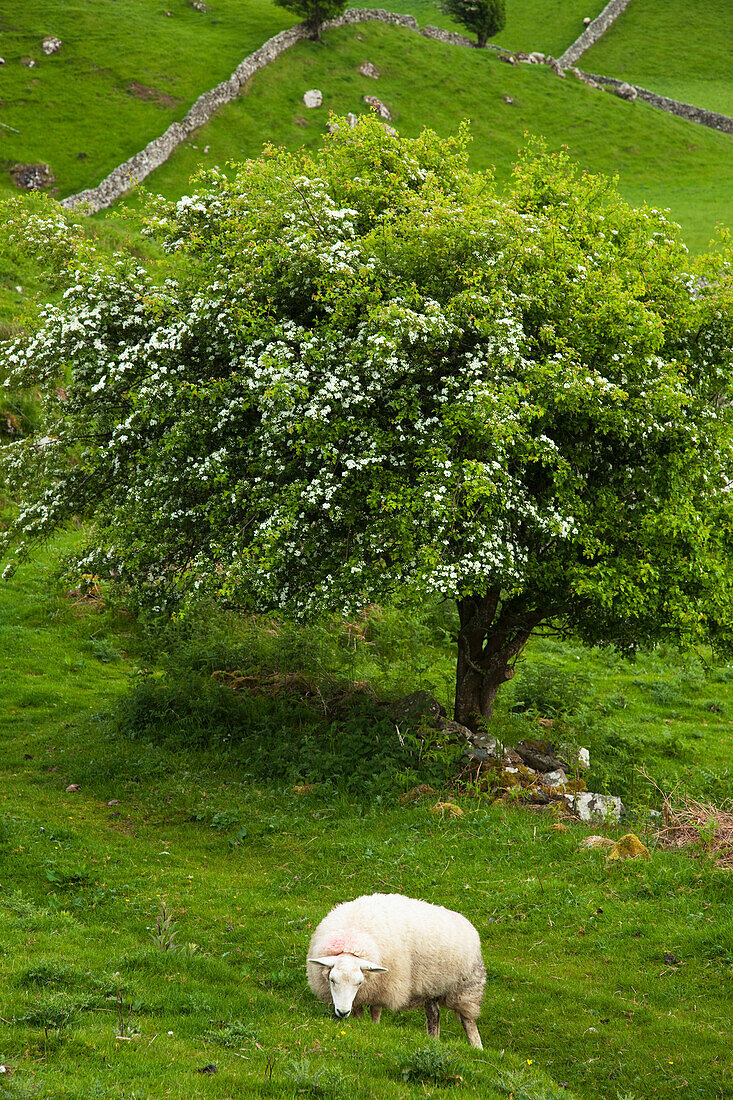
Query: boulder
[[313, 98], [51, 44], [588, 806], [368, 69], [557, 778], [539, 755], [419, 704], [381, 108]]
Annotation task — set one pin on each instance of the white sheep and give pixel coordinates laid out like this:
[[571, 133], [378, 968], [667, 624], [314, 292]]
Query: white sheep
[[389, 951]]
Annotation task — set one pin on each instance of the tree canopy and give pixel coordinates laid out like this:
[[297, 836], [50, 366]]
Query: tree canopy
[[371, 371], [314, 12], [484, 17]]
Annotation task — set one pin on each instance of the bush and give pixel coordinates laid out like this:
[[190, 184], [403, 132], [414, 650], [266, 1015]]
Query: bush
[[280, 739]]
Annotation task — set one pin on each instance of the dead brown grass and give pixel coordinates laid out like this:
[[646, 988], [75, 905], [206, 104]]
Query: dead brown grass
[[691, 823]]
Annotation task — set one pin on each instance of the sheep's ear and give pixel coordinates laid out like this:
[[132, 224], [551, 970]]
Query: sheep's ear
[[325, 960], [366, 965]]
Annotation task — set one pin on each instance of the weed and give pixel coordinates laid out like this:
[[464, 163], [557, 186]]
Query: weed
[[234, 1034], [54, 1012], [67, 876], [102, 650], [323, 1082], [436, 1065], [163, 934]]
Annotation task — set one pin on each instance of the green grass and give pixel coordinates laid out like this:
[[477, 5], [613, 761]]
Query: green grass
[[678, 48], [580, 1001], [546, 25], [79, 110], [660, 159]]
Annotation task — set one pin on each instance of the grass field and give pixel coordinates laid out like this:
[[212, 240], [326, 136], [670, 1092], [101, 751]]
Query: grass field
[[546, 25], [124, 73], [679, 48], [580, 1000], [660, 159]]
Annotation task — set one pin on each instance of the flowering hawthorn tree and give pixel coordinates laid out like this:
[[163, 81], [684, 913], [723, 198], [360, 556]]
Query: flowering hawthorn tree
[[370, 371]]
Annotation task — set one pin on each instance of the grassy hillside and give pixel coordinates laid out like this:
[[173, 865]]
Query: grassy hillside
[[546, 25], [125, 71], [660, 159], [582, 998], [679, 48]]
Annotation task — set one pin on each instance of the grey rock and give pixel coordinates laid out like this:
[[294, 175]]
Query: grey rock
[[419, 704], [558, 778], [589, 806], [624, 91], [51, 44], [539, 755], [574, 755], [313, 98], [381, 108], [368, 69]]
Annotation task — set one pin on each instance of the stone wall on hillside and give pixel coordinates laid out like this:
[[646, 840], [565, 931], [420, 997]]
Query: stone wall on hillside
[[157, 151], [685, 110], [592, 32]]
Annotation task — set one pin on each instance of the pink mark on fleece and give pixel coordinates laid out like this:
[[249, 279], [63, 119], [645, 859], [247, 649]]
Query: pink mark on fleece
[[343, 942]]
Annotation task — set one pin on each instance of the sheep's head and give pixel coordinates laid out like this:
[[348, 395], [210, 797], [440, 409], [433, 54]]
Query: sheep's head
[[346, 976]]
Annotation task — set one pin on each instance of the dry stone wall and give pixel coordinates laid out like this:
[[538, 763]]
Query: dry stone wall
[[157, 151], [593, 32], [685, 110]]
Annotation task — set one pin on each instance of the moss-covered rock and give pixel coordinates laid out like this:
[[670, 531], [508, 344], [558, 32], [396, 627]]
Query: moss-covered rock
[[629, 847]]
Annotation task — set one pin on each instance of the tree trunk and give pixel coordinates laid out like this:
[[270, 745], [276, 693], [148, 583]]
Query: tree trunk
[[482, 40], [489, 642]]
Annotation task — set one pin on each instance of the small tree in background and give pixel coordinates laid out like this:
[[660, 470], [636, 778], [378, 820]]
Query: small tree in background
[[484, 17], [371, 374], [314, 12]]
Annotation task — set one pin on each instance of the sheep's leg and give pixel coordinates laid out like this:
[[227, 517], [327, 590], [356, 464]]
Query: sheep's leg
[[469, 1026], [376, 1012], [432, 1017], [357, 1012]]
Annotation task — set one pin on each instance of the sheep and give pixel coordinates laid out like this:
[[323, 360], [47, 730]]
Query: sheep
[[390, 951]]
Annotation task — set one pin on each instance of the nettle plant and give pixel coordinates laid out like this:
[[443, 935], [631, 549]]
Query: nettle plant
[[373, 372]]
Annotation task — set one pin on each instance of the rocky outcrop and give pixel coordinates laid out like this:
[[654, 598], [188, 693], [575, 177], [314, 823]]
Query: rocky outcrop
[[32, 177]]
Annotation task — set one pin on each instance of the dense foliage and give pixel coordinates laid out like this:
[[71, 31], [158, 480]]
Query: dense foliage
[[314, 12], [484, 17], [371, 373]]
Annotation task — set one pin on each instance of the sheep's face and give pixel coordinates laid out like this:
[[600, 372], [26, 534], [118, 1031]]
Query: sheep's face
[[345, 979]]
